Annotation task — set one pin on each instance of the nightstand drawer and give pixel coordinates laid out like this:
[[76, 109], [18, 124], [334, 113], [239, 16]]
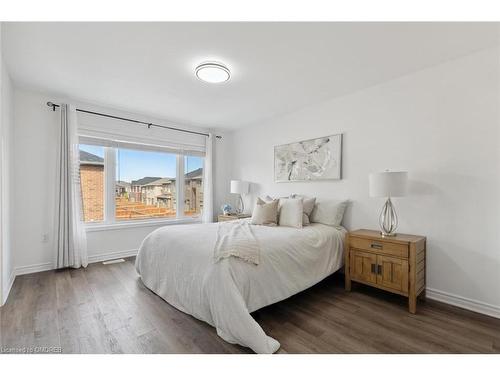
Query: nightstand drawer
[[232, 217], [226, 218], [380, 247]]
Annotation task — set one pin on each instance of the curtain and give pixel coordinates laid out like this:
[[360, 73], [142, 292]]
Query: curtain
[[208, 190], [71, 240]]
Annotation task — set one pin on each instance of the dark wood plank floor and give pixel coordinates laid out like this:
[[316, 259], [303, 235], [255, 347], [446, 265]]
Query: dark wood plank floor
[[107, 309]]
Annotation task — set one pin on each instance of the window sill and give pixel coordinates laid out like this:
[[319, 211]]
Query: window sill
[[97, 227]]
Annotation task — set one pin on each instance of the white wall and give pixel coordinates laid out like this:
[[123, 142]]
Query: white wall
[[442, 126], [34, 178], [6, 150]]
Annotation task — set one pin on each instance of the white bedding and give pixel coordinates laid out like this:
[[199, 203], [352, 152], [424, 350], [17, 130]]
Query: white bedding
[[176, 262]]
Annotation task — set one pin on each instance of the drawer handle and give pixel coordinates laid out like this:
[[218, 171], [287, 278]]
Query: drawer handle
[[376, 246]]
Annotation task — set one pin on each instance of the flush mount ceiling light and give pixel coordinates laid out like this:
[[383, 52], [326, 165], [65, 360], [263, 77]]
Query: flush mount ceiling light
[[212, 72]]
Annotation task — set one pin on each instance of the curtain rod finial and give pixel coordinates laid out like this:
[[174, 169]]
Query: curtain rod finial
[[50, 104]]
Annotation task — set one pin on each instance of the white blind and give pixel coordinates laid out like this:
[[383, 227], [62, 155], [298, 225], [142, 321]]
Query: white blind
[[142, 144], [115, 133]]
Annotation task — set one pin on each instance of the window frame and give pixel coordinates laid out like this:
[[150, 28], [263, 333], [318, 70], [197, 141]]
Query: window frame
[[110, 222]]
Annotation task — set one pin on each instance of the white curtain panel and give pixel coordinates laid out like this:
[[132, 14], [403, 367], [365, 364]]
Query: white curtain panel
[[208, 189], [71, 240]]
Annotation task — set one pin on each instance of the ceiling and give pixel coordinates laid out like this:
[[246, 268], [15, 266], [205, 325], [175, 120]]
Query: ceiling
[[276, 67]]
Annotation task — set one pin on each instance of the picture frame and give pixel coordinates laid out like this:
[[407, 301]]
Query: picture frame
[[313, 159]]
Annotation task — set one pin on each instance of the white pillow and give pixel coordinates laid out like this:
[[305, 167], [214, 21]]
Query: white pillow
[[265, 213], [291, 211], [308, 205], [329, 212]]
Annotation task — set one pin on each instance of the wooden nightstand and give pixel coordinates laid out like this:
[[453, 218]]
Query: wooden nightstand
[[395, 264], [232, 217]]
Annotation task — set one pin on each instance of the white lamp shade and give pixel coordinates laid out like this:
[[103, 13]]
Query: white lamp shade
[[388, 184], [239, 187]]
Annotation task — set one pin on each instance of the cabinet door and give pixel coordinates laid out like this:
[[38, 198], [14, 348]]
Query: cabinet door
[[392, 273], [362, 266]]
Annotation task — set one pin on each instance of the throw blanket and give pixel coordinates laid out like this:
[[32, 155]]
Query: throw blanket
[[235, 238]]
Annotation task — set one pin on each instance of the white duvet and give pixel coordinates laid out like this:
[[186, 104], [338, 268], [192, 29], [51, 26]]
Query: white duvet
[[176, 262]]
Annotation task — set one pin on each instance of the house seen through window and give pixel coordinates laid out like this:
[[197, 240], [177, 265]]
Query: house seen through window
[[145, 184], [92, 182], [193, 185]]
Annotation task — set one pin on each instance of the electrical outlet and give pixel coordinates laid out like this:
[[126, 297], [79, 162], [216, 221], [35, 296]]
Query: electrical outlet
[[45, 238]]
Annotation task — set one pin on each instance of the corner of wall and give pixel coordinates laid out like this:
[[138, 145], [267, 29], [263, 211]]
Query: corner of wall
[[1, 172], [7, 288], [7, 274]]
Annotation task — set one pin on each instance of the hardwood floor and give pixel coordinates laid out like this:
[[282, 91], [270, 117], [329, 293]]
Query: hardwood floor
[[107, 309]]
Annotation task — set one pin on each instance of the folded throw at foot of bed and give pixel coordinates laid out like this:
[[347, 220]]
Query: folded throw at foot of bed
[[236, 239]]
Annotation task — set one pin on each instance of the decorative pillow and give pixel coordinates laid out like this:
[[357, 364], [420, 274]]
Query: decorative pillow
[[265, 213], [290, 212], [308, 204], [329, 212], [269, 199]]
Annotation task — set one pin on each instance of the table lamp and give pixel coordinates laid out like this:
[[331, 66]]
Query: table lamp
[[239, 187], [388, 184]]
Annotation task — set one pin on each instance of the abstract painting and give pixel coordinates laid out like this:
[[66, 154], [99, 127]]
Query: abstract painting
[[314, 159]]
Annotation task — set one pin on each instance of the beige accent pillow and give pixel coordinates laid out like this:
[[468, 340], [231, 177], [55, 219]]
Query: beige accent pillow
[[290, 212], [265, 213], [329, 212]]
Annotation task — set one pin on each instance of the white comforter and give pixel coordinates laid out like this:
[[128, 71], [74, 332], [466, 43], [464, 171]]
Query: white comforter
[[176, 262]]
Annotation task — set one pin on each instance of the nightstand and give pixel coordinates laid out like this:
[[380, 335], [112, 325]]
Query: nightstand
[[395, 264], [232, 217]]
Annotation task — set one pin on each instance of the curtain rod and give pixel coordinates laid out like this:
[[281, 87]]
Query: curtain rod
[[149, 124]]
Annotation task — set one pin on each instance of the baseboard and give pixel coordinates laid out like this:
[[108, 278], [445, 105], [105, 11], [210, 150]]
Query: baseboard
[[464, 303], [7, 290], [112, 255], [33, 268]]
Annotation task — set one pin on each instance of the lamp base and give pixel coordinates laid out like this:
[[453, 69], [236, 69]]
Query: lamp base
[[388, 220], [241, 207], [388, 234]]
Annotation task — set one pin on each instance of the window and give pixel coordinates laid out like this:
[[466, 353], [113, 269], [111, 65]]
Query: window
[[121, 184], [92, 182], [145, 185], [193, 185]]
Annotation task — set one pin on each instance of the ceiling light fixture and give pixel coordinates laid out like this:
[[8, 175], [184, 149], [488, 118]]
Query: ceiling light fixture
[[213, 72]]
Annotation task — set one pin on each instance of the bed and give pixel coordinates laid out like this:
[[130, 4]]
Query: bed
[[176, 262]]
